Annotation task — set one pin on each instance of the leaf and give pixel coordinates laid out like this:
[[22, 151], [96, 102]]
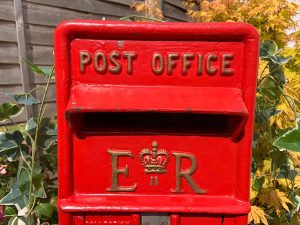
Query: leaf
[[276, 71], [47, 134], [45, 71], [257, 215], [10, 211], [37, 183], [297, 202], [13, 221], [44, 210], [26, 99], [258, 183], [287, 173], [280, 60], [278, 200], [289, 140], [14, 197], [9, 110], [10, 145], [267, 49], [16, 221], [295, 157], [38, 186]]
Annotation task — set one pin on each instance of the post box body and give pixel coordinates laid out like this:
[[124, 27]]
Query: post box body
[[155, 122]]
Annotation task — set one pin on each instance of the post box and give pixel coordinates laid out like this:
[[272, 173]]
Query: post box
[[155, 122]]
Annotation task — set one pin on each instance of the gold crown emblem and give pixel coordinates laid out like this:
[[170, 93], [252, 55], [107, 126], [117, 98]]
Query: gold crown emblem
[[155, 160]]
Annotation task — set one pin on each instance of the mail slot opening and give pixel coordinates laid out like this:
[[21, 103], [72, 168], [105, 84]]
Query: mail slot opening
[[155, 122]]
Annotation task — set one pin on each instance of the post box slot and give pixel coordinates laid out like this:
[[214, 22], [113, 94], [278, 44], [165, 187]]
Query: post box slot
[[162, 110], [154, 122]]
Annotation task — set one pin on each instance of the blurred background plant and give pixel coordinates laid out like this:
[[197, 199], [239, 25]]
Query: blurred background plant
[[28, 161]]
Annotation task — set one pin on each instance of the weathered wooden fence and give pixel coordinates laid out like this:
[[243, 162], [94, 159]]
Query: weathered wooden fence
[[26, 32]]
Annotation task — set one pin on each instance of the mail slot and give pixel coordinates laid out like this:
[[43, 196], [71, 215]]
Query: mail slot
[[155, 122]]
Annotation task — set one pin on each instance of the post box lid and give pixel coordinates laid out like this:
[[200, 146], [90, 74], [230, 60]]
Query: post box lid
[[156, 98]]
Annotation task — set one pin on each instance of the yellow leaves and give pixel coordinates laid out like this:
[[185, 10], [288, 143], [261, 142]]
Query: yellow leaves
[[253, 194], [279, 200], [150, 8], [286, 117], [264, 168], [257, 215], [276, 199], [295, 157], [271, 17]]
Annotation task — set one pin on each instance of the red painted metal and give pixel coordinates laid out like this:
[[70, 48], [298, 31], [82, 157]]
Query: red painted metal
[[114, 101]]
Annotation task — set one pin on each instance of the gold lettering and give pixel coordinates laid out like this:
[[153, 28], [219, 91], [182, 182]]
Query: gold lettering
[[116, 171], [171, 63], [186, 174], [200, 63], [85, 58], [98, 68], [186, 64], [116, 68], [157, 57], [209, 69], [130, 56], [226, 70]]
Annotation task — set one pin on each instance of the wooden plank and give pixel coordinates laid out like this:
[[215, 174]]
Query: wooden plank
[[124, 2], [40, 55], [177, 3], [52, 16], [10, 74], [90, 6], [50, 109], [40, 35], [174, 12], [40, 79], [8, 31], [9, 53], [51, 95], [7, 10], [22, 52], [19, 119], [161, 4], [9, 89], [6, 90]]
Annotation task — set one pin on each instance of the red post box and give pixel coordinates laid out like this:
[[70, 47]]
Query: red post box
[[155, 122]]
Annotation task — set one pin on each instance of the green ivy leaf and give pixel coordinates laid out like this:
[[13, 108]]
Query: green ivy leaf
[[258, 183], [286, 172], [13, 221], [45, 71], [47, 134], [267, 49], [44, 210], [38, 186], [9, 211], [280, 60], [11, 145], [14, 197], [37, 183], [9, 110], [289, 140], [26, 99]]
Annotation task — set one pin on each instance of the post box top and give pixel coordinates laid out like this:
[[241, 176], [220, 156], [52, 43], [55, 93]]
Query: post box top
[[224, 31]]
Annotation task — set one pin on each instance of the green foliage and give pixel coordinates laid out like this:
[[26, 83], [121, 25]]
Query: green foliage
[[8, 111], [28, 164], [289, 140]]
